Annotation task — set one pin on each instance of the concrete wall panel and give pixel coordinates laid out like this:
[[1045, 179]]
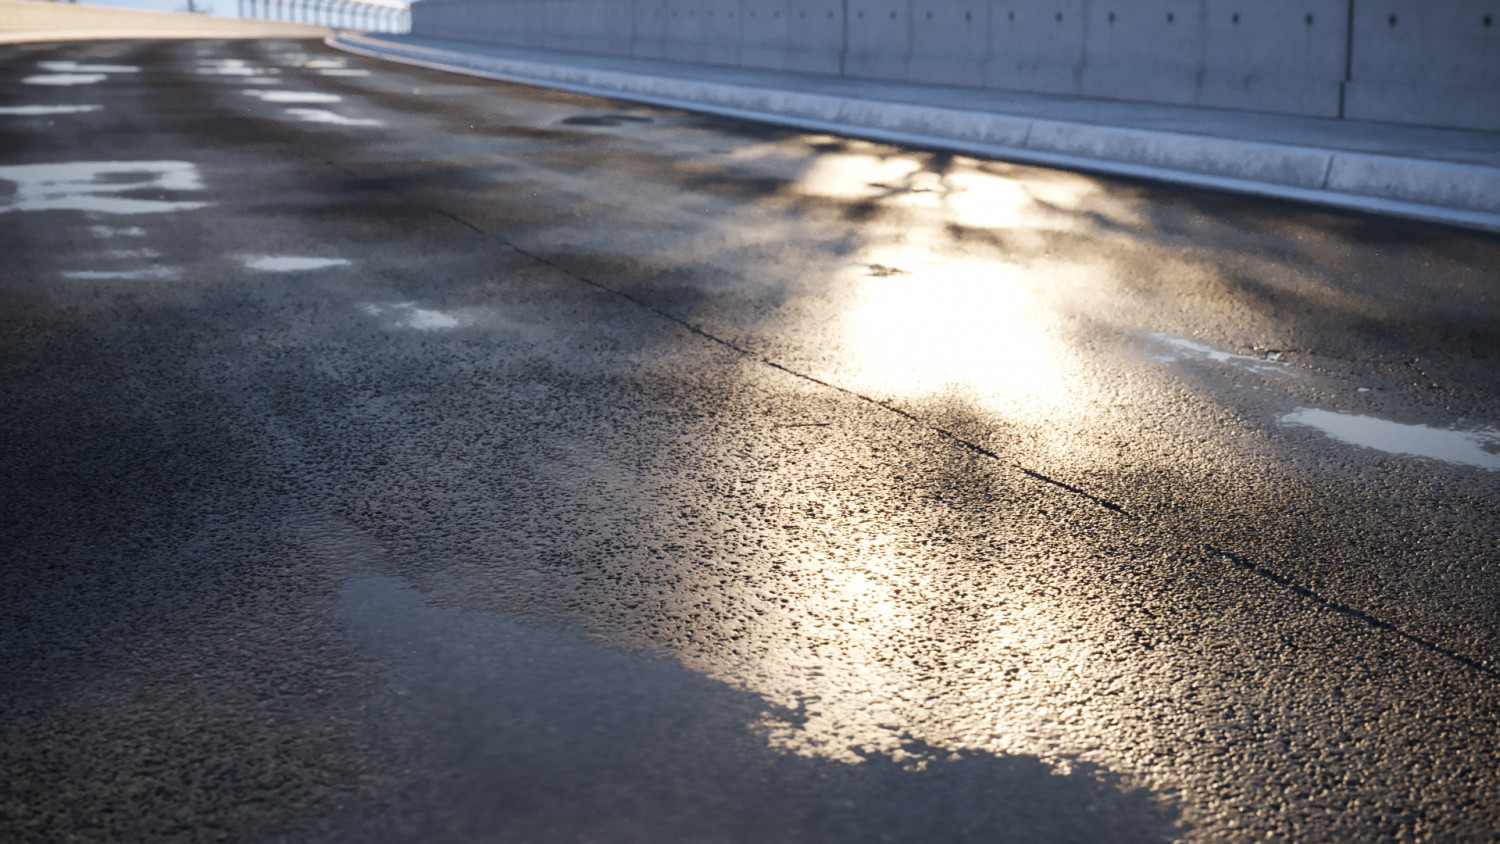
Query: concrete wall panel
[[724, 32], [1295, 38], [879, 40], [555, 17], [610, 35], [530, 24], [950, 42], [765, 36], [1036, 46], [536, 23], [616, 20], [1274, 55], [506, 29], [514, 30], [463, 17], [464, 20], [704, 31], [509, 28], [581, 25], [1430, 62], [649, 34], [682, 37], [1434, 42], [553, 20], [1147, 49], [815, 36]]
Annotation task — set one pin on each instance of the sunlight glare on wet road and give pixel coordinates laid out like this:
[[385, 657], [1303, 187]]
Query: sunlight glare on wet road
[[921, 319], [981, 329], [965, 195]]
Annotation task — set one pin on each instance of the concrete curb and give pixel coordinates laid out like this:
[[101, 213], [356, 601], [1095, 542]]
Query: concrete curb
[[1457, 194]]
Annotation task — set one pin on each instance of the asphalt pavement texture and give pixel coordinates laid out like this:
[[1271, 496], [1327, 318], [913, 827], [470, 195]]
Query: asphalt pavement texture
[[396, 456]]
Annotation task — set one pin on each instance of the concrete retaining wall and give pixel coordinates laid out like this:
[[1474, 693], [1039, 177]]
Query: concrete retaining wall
[[1427, 62]]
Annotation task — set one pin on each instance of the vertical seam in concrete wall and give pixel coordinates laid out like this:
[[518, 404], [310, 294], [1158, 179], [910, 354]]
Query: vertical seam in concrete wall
[[1078, 70], [911, 33], [1202, 69], [989, 41], [844, 33], [1348, 56]]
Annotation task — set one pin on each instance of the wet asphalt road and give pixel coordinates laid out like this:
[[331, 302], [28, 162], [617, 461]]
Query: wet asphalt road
[[391, 456]]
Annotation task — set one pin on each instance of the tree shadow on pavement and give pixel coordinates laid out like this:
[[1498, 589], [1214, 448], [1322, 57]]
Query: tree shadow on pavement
[[531, 733]]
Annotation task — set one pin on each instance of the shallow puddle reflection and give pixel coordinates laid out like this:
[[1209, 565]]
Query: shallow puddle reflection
[[1479, 448], [102, 186]]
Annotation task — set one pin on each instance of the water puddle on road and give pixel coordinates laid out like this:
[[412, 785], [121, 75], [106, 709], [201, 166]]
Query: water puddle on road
[[73, 73], [290, 263], [1480, 448], [293, 96], [229, 70], [1269, 365], [100, 186], [64, 79], [116, 231], [157, 273], [228, 67], [46, 110], [408, 315], [319, 115], [343, 71], [75, 67]]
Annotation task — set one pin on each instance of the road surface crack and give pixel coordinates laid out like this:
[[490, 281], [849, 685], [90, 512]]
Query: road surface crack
[[1344, 609]]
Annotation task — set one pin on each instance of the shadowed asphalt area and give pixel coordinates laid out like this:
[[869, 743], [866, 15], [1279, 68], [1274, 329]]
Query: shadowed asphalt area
[[397, 456]]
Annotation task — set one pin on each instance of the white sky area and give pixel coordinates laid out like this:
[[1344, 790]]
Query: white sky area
[[218, 8]]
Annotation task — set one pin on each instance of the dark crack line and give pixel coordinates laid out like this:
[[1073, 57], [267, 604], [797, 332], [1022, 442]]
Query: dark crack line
[[1346, 610], [461, 221], [949, 435], [1236, 560]]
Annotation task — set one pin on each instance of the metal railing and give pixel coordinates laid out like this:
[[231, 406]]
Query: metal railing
[[364, 15]]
